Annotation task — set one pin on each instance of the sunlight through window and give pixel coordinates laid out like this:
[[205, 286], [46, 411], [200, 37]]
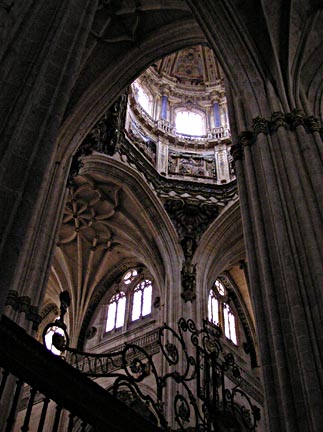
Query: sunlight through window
[[116, 312], [142, 300], [143, 98], [220, 313], [190, 123]]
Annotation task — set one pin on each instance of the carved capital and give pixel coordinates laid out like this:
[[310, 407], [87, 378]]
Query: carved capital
[[236, 152], [260, 125], [23, 304], [12, 298], [277, 120], [313, 124], [33, 316], [295, 118], [246, 138]]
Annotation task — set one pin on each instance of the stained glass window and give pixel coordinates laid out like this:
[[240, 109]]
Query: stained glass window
[[131, 301], [49, 339]]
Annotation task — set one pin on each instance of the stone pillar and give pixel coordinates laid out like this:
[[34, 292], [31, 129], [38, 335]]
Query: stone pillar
[[222, 163], [37, 77], [280, 174], [162, 157]]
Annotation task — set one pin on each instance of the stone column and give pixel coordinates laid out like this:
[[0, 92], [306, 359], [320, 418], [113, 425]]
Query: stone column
[[37, 77], [280, 174], [164, 102], [279, 166], [222, 163], [162, 157], [216, 112]]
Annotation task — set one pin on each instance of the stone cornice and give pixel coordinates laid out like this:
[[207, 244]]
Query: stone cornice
[[163, 185]]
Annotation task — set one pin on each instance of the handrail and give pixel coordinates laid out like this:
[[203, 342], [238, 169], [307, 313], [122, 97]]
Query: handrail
[[24, 357]]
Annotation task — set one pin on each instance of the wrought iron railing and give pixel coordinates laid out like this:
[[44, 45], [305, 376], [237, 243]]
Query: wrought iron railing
[[203, 396], [195, 391]]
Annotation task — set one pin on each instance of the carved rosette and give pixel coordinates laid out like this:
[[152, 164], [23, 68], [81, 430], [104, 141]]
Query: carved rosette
[[87, 211]]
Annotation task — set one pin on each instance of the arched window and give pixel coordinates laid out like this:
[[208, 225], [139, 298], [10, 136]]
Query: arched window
[[189, 123], [229, 323], [220, 312], [141, 300], [116, 311], [143, 97], [131, 301]]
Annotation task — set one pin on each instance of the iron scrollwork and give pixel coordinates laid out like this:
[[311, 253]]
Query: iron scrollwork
[[196, 369]]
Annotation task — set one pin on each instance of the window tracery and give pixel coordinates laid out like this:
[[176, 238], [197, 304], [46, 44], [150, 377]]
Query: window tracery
[[131, 301], [141, 300], [116, 311]]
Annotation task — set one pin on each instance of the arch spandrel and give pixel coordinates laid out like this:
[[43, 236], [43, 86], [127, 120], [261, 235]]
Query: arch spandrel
[[102, 90]]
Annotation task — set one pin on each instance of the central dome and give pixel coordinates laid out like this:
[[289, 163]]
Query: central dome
[[177, 116], [193, 66]]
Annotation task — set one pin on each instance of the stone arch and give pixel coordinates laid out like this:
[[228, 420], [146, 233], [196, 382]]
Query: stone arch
[[139, 231], [79, 119]]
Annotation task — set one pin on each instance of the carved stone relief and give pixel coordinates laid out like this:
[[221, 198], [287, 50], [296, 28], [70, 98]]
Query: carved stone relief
[[191, 165], [190, 219]]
